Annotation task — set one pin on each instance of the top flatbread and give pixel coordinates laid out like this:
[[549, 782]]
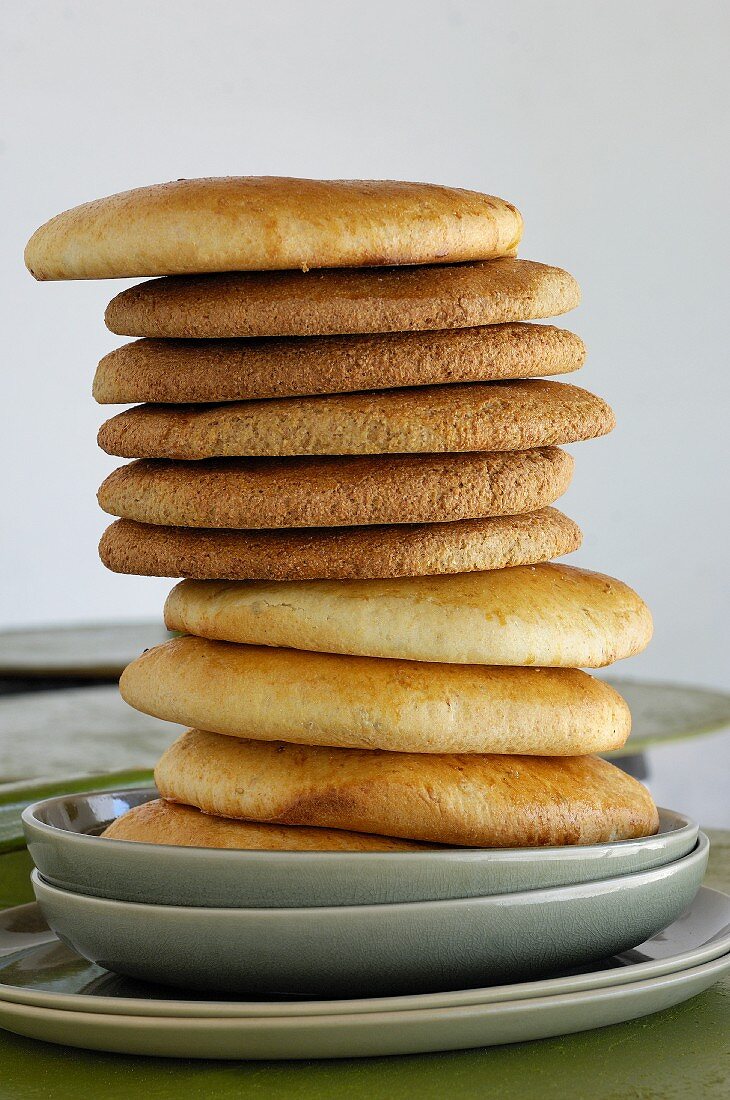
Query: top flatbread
[[195, 371], [320, 303], [266, 223]]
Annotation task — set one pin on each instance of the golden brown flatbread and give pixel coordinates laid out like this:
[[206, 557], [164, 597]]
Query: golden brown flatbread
[[404, 550], [365, 702], [480, 416], [192, 371], [336, 491], [480, 801], [320, 303], [266, 223]]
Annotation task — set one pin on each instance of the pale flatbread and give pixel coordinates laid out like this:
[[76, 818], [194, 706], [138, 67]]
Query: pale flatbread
[[549, 615], [365, 702], [162, 822]]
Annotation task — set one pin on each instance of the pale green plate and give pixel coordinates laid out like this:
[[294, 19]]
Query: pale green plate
[[375, 950], [669, 712], [40, 971], [356, 1036], [99, 650], [57, 831]]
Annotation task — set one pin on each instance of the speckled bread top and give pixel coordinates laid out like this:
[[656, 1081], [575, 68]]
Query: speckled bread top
[[265, 223], [292, 695], [480, 416], [162, 822], [549, 615], [479, 801], [336, 491], [180, 371], [292, 303], [405, 550]]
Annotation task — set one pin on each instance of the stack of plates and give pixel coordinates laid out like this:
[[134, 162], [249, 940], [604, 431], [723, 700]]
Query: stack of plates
[[338, 954]]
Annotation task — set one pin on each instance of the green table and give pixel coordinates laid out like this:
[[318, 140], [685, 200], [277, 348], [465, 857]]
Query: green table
[[680, 1054]]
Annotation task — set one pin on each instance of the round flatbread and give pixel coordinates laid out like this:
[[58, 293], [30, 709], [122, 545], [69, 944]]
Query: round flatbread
[[365, 702], [549, 615], [480, 416], [162, 822], [404, 550], [192, 371], [335, 492], [320, 303], [267, 223], [477, 801]]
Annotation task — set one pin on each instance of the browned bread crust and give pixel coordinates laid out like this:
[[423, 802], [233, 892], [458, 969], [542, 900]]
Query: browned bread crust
[[336, 491], [252, 223], [396, 299], [480, 801], [404, 550], [179, 371]]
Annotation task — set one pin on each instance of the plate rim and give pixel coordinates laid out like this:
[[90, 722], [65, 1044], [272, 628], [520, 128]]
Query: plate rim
[[31, 821], [721, 964], [698, 854]]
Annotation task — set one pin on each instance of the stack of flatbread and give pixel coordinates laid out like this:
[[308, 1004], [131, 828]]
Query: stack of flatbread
[[343, 438]]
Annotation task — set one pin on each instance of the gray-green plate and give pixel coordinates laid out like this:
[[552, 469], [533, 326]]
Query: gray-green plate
[[669, 712], [91, 650], [60, 835], [37, 969], [374, 950], [74, 730], [368, 1035]]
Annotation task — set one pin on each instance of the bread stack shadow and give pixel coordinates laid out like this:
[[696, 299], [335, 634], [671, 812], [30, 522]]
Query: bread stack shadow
[[353, 466]]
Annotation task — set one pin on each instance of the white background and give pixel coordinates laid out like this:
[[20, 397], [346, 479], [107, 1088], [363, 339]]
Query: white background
[[606, 123]]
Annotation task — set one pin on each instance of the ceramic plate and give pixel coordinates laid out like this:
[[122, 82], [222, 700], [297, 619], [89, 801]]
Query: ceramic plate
[[93, 730], [368, 1035], [38, 970], [97, 649], [370, 950], [668, 712], [57, 834]]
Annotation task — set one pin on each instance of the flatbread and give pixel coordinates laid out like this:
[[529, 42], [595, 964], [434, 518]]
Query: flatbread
[[549, 615], [480, 800], [162, 822], [336, 491], [405, 550], [266, 223], [364, 702], [180, 371], [320, 303], [480, 416]]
